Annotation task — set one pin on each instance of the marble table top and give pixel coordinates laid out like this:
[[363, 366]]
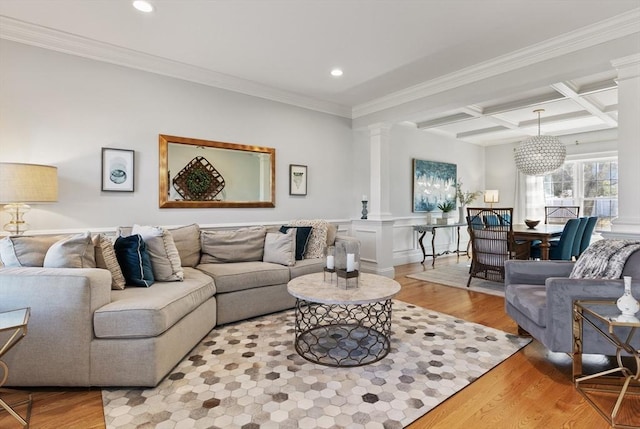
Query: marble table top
[[371, 288]]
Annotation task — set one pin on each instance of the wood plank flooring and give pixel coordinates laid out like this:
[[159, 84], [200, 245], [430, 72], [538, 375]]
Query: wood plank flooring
[[531, 389]]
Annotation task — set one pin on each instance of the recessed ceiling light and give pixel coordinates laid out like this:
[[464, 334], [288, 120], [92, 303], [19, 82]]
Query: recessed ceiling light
[[336, 72], [143, 6]]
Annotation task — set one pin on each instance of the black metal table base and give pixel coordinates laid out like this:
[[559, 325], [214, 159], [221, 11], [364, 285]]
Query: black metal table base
[[343, 335]]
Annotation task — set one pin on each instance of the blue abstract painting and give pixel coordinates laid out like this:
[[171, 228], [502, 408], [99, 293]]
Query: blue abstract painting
[[433, 183]]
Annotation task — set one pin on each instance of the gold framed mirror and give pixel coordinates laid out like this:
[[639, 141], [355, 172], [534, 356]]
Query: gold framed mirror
[[198, 173]]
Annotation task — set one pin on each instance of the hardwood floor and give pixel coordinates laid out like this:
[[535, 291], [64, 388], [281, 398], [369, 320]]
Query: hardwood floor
[[531, 389]]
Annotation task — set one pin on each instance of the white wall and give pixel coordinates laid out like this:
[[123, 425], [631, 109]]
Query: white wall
[[61, 110]]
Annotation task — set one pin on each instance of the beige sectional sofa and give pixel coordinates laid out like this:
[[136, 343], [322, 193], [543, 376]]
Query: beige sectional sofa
[[85, 332]]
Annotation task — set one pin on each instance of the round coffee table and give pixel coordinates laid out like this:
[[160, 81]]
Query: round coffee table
[[343, 327]]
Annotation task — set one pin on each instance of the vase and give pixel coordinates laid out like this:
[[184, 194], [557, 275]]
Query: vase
[[461, 215], [429, 219], [627, 304]]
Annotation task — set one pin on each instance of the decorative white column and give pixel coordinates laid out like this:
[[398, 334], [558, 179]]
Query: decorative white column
[[376, 232], [379, 201], [627, 225]]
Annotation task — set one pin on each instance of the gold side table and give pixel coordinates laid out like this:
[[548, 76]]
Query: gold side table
[[14, 322], [605, 318]]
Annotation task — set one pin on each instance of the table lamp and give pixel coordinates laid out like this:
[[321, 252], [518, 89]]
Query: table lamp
[[491, 196], [25, 183]]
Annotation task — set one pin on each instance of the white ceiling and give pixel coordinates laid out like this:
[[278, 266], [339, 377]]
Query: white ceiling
[[284, 50]]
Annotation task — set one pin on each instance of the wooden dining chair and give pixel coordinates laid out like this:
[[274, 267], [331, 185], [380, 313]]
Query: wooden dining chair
[[492, 242], [560, 214]]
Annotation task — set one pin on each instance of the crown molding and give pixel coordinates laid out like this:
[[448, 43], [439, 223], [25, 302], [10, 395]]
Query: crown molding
[[43, 37], [601, 32]]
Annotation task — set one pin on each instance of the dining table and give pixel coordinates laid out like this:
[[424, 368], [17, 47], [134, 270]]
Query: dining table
[[544, 233]]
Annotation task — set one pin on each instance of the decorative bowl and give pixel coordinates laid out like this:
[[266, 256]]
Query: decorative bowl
[[531, 223]]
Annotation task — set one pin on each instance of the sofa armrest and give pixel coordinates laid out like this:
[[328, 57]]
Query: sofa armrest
[[563, 292], [56, 349], [534, 272]]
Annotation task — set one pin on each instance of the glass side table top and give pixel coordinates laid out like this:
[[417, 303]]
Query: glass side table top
[[14, 318], [608, 312]]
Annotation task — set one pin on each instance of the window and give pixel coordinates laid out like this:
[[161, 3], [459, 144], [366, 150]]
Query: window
[[591, 184]]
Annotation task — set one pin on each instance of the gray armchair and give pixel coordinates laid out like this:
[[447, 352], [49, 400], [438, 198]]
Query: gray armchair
[[539, 296]]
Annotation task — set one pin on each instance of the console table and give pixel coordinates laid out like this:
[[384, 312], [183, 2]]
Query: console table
[[423, 229]]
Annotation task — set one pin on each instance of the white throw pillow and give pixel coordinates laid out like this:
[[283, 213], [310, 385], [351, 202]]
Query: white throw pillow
[[75, 251], [280, 248], [165, 259]]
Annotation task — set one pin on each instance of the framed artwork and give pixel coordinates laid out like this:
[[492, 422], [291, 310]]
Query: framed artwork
[[433, 183], [297, 179], [118, 170]]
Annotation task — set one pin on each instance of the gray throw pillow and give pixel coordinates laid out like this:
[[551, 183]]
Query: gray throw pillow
[[280, 248], [165, 260]]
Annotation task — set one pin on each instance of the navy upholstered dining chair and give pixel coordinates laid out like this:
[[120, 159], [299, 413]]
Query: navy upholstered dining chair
[[562, 248], [575, 251], [588, 232]]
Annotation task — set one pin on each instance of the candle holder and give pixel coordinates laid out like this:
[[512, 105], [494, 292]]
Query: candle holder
[[329, 266], [347, 263], [364, 210]]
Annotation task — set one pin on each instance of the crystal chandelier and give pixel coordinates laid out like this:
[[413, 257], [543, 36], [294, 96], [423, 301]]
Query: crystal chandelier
[[540, 154]]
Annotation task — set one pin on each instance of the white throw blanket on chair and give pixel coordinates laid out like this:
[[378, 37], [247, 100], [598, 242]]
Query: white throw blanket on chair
[[604, 259]]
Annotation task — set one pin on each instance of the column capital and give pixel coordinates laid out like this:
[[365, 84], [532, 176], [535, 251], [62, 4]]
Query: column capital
[[379, 128], [628, 67]]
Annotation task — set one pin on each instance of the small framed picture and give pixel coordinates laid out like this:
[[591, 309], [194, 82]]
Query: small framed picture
[[118, 170], [297, 179]]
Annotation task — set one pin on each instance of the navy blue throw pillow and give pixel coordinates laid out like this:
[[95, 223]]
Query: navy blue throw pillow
[[302, 238], [134, 260]]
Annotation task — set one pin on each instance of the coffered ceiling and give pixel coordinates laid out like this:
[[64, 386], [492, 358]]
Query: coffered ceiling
[[570, 107], [393, 53]]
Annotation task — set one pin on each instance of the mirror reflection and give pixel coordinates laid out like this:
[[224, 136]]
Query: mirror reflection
[[201, 173]]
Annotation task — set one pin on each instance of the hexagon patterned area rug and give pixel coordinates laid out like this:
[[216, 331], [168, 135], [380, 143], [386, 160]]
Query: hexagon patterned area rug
[[248, 375]]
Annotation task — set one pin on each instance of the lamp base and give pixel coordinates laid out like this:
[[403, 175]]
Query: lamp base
[[16, 225]]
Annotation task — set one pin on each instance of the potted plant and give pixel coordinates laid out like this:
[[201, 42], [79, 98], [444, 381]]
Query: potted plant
[[447, 207]]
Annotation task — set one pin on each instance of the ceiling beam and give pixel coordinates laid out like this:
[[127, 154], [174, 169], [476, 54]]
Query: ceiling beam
[[571, 93]]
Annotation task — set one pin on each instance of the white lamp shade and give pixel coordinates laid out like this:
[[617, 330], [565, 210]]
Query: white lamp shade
[[28, 183], [491, 196]]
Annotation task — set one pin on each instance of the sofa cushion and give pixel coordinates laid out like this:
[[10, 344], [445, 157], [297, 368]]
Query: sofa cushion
[[75, 251], [318, 238], [307, 266], [530, 300], [280, 248], [134, 260], [302, 239], [26, 251], [137, 312], [187, 241], [240, 245], [245, 275], [165, 260], [106, 259]]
